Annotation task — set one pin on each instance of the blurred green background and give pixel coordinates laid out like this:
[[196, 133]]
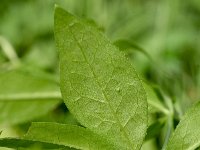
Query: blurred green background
[[167, 30]]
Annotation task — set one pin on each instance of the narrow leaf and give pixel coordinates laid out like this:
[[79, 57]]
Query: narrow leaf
[[154, 103], [23, 143], [68, 135], [154, 129], [99, 85], [125, 45], [186, 136]]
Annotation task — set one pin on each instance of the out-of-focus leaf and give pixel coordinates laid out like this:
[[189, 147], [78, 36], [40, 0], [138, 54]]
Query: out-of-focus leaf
[[154, 129], [126, 45], [24, 143], [24, 96], [43, 55], [155, 104]]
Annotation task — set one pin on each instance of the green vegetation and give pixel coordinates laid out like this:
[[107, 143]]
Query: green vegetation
[[105, 75]]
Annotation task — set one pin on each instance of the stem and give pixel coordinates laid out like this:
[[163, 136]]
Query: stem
[[170, 121], [169, 131], [159, 107], [9, 51]]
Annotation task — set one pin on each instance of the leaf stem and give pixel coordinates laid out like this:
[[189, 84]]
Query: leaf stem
[[169, 131], [170, 121], [159, 107], [9, 51]]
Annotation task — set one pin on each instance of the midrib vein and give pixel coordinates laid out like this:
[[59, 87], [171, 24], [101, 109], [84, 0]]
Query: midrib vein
[[104, 95], [31, 96]]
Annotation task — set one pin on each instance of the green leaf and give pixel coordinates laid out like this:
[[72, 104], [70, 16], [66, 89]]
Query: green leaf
[[125, 44], [24, 143], [154, 102], [68, 135], [24, 96], [61, 136], [23, 85], [99, 85], [154, 129], [186, 136]]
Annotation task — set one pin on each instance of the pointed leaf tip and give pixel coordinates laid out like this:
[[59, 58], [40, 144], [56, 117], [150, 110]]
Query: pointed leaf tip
[[56, 6]]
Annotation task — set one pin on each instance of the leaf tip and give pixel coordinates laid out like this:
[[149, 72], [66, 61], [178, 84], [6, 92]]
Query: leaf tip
[[56, 6]]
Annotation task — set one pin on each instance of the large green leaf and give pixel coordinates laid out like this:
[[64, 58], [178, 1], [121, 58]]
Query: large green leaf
[[25, 96], [67, 135], [186, 136], [99, 85]]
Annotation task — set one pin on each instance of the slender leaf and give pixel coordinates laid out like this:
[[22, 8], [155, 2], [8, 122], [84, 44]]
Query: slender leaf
[[154, 129], [23, 143], [99, 85], [125, 45], [154, 103], [68, 135]]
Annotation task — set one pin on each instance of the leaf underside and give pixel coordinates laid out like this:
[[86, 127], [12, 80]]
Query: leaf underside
[[99, 85]]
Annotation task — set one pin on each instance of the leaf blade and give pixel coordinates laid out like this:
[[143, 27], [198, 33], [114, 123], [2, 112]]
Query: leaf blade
[[67, 135], [125, 44], [93, 73], [24, 143]]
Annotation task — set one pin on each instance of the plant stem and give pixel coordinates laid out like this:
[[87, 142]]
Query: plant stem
[[9, 51]]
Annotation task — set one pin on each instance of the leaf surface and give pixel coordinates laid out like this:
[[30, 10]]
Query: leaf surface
[[67, 135], [186, 135], [99, 85]]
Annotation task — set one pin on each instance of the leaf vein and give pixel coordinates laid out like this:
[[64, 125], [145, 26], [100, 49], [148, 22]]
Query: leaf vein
[[104, 95]]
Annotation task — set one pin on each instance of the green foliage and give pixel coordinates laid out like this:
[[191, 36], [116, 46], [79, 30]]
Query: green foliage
[[125, 44], [23, 143], [103, 103]]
